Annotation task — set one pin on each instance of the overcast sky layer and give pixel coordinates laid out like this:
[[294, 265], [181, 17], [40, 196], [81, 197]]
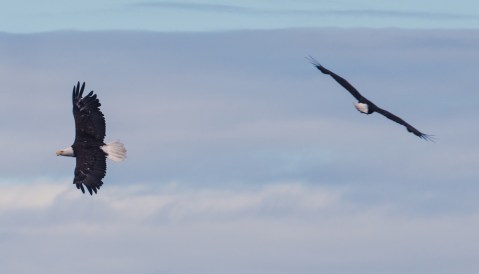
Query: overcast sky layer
[[243, 158], [27, 16]]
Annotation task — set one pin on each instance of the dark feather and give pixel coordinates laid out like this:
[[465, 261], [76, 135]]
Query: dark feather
[[89, 120], [400, 121], [90, 133], [338, 79], [90, 167], [371, 106]]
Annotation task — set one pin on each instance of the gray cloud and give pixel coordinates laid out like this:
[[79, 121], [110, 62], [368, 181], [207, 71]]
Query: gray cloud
[[195, 6], [387, 13], [209, 230], [224, 8], [241, 153], [209, 116]]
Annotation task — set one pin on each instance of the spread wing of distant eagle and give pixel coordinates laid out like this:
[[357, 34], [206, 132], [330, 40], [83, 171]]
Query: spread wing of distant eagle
[[89, 148], [364, 105]]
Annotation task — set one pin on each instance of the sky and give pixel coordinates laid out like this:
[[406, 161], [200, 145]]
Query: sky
[[27, 16], [242, 157]]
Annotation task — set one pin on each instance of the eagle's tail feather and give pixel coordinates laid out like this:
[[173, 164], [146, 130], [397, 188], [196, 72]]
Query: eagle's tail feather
[[115, 151]]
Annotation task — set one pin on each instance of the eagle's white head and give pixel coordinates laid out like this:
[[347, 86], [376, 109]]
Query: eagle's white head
[[66, 152], [363, 108]]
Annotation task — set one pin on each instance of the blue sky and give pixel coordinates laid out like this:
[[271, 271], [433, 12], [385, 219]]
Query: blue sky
[[243, 158], [209, 15]]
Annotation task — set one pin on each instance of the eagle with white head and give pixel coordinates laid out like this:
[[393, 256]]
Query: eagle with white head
[[89, 147]]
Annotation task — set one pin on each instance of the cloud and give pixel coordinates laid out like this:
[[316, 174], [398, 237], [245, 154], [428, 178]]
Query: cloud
[[424, 15], [144, 202], [244, 113], [244, 158], [290, 226], [205, 7], [379, 13]]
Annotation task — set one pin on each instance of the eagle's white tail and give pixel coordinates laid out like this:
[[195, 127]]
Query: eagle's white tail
[[115, 151]]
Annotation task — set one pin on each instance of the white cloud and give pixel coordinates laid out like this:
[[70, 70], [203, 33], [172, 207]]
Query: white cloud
[[31, 196], [143, 202], [283, 228]]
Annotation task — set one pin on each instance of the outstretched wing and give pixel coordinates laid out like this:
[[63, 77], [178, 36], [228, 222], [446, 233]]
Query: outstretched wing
[[90, 168], [338, 78], [90, 133], [400, 121], [89, 120]]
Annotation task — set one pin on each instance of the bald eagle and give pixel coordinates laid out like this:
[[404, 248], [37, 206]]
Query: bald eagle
[[364, 105], [89, 147]]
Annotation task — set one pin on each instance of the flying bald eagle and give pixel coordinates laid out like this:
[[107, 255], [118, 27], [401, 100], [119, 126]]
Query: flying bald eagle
[[89, 147], [364, 105]]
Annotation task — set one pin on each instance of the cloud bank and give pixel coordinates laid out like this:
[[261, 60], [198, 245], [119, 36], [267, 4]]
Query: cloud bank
[[312, 11], [243, 158], [284, 228]]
